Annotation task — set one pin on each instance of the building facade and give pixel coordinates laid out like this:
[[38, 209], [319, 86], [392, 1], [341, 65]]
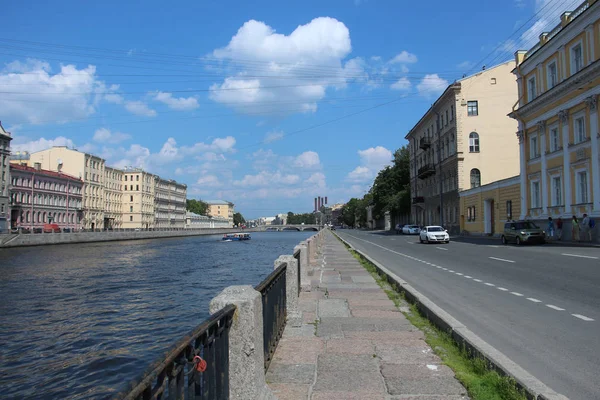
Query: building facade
[[89, 168], [5, 139], [169, 204], [113, 198], [486, 208], [197, 221], [463, 141], [221, 208], [559, 83], [138, 199], [40, 197]]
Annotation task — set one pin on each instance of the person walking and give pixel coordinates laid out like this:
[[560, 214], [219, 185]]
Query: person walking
[[559, 231], [550, 233], [575, 229], [586, 232]]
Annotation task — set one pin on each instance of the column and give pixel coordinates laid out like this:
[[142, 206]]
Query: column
[[523, 164], [544, 188], [563, 116], [563, 63], [589, 31], [592, 103]]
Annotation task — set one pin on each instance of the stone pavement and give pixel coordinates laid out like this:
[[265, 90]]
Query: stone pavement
[[354, 343]]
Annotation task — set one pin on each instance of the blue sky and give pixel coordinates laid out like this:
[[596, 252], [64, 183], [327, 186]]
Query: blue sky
[[265, 104]]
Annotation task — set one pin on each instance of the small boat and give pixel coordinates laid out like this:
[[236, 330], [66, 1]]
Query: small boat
[[236, 236]]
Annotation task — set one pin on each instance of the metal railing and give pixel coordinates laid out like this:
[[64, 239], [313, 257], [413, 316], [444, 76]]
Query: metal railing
[[274, 306], [178, 376]]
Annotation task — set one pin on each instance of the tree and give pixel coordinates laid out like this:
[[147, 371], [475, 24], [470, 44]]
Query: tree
[[196, 206], [391, 188], [238, 219], [298, 219]]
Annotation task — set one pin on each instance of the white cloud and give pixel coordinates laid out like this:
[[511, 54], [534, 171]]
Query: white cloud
[[266, 179], [42, 144], [274, 136], [181, 103], [220, 145], [317, 179], [284, 63], [372, 160], [104, 135], [432, 85], [136, 156], [139, 108], [308, 159], [209, 181], [360, 174], [404, 58], [168, 152], [402, 84]]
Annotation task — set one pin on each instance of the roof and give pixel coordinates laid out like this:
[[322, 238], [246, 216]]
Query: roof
[[55, 174], [3, 131], [218, 202]]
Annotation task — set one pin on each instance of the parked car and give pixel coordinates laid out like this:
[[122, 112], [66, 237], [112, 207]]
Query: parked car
[[523, 232], [411, 229], [434, 234], [51, 228]]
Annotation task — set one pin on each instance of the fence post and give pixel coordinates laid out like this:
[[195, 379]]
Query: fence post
[[291, 286], [305, 284], [246, 355]]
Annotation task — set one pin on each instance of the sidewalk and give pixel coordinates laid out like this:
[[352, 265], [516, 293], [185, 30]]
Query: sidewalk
[[354, 343]]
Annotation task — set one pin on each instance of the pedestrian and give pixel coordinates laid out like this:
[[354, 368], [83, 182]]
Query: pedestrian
[[586, 232], [575, 229], [559, 228], [397, 229], [550, 233]]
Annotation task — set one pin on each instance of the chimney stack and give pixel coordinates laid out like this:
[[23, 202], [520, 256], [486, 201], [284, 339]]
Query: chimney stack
[[325, 200], [316, 208], [37, 166]]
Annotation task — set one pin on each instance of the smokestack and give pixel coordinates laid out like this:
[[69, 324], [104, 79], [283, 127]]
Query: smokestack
[[316, 208], [320, 202], [325, 200]]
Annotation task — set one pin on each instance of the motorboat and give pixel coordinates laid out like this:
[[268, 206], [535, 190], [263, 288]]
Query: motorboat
[[230, 237]]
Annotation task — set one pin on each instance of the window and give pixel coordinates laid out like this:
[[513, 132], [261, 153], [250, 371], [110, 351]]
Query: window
[[472, 108], [554, 139], [137, 187], [551, 75], [508, 209], [531, 92], [130, 208], [131, 198], [125, 178], [493, 81], [451, 113], [475, 178], [137, 177], [125, 187], [582, 187], [474, 142], [131, 218], [535, 194], [579, 125], [130, 187], [533, 147], [447, 117], [576, 59], [557, 191]]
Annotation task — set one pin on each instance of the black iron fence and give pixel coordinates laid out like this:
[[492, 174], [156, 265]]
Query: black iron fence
[[273, 291], [197, 367]]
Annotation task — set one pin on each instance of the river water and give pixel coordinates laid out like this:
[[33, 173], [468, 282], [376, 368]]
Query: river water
[[81, 321]]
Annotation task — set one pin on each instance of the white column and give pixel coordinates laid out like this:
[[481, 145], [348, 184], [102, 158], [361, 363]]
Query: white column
[[563, 116], [589, 31], [563, 63], [523, 163], [592, 103], [544, 188]]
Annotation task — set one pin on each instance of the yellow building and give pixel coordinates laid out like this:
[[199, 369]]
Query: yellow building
[[221, 208], [87, 167], [113, 198], [486, 208], [559, 83], [138, 199], [463, 141]]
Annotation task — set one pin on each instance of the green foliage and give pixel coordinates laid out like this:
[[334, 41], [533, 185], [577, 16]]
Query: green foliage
[[391, 188], [297, 219], [238, 219], [196, 206]]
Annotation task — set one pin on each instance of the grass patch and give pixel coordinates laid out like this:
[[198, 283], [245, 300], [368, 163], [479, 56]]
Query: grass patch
[[481, 382]]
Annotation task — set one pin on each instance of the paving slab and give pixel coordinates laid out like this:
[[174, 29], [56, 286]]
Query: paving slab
[[348, 373], [291, 373], [333, 308], [290, 391]]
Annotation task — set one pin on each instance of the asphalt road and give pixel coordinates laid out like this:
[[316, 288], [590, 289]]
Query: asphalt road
[[539, 305]]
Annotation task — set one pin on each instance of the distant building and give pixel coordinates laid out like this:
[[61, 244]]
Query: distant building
[[280, 219], [138, 199], [5, 139], [169, 204], [197, 221], [220, 208], [39, 196], [113, 198]]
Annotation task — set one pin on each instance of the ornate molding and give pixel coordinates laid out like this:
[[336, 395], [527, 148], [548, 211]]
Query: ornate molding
[[541, 125], [520, 136], [563, 116], [592, 102]]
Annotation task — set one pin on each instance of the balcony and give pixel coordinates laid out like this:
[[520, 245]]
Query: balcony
[[426, 171], [425, 143], [418, 200]]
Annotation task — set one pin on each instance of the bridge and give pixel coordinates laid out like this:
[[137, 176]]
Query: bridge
[[280, 228]]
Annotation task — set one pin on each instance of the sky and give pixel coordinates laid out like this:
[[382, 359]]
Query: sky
[[265, 104]]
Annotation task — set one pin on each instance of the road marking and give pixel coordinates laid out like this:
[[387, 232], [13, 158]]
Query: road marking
[[477, 280], [468, 277], [534, 300], [450, 271], [516, 293], [445, 269], [579, 255], [502, 259], [489, 284], [441, 248], [494, 246], [503, 289], [438, 267], [554, 307], [583, 317], [459, 274]]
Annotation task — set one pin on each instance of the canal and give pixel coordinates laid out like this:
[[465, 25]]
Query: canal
[[80, 321]]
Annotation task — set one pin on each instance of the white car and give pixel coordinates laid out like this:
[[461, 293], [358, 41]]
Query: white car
[[411, 229], [434, 234]]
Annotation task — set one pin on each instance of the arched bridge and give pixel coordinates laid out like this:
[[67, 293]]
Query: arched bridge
[[280, 228]]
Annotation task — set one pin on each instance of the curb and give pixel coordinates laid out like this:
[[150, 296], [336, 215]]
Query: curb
[[535, 388]]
